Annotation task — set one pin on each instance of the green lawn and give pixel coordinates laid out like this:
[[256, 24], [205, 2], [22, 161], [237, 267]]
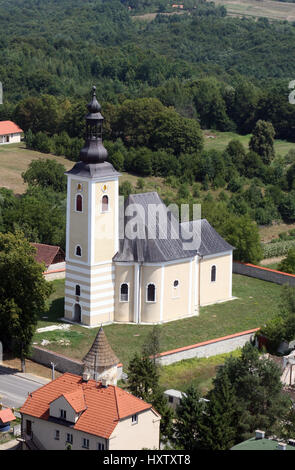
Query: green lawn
[[257, 301], [198, 372], [221, 140]]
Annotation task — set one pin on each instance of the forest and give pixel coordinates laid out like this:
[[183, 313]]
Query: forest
[[160, 84]]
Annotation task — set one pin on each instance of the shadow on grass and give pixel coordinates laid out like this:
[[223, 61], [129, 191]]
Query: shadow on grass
[[55, 311]]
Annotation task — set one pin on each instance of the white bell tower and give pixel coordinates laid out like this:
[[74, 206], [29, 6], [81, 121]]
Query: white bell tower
[[92, 229]]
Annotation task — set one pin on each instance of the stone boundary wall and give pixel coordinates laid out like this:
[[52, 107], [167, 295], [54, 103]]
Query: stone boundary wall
[[209, 348], [62, 363], [265, 274], [213, 347], [53, 274]]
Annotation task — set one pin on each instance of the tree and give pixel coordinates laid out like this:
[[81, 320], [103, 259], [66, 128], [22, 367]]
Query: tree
[[125, 189], [143, 381], [46, 173], [23, 292], [243, 234], [258, 389], [237, 153], [188, 421], [151, 347], [219, 427], [291, 177], [287, 265], [262, 141]]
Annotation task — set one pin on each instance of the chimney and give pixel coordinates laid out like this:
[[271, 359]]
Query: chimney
[[281, 446], [86, 376], [104, 383], [259, 434]]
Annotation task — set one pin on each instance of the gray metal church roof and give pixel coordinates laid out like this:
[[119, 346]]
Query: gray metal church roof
[[93, 170], [211, 242], [169, 241]]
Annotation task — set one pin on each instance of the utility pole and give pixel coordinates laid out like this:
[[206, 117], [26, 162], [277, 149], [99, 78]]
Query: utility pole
[[52, 372]]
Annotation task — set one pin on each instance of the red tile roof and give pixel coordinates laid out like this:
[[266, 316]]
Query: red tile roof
[[6, 416], [76, 399], [9, 127], [46, 253], [106, 406]]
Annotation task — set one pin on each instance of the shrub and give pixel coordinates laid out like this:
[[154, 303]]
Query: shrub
[[287, 265]]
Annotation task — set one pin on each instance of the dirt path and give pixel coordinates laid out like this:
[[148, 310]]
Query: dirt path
[[267, 261]]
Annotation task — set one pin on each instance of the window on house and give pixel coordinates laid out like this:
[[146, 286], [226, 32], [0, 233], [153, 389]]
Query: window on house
[[57, 435], [175, 289], [63, 414], [79, 203], [213, 274], [105, 203], [28, 427], [85, 443], [78, 290], [69, 438], [151, 293], [170, 399], [78, 251], [134, 419], [124, 293], [100, 446]]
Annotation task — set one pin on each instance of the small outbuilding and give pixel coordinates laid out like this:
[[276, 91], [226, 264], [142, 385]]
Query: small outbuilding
[[6, 416], [10, 133], [52, 256]]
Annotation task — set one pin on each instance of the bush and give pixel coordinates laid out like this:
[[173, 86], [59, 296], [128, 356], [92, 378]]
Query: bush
[[287, 265]]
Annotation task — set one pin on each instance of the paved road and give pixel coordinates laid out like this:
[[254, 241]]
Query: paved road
[[14, 388]]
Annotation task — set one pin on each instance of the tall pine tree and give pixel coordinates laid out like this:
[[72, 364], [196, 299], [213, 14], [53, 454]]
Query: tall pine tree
[[219, 426], [188, 422]]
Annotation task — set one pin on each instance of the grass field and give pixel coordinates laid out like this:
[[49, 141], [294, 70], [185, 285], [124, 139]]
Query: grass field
[[219, 140], [15, 159], [198, 372], [254, 8], [257, 301], [262, 8]]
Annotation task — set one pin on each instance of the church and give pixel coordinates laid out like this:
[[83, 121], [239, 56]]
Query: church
[[133, 261]]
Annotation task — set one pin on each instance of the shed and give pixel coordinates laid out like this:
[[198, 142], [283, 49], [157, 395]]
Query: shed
[[50, 255], [6, 416], [10, 132]]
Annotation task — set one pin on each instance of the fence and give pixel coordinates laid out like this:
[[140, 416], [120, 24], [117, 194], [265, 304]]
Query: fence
[[209, 348], [62, 363], [265, 274]]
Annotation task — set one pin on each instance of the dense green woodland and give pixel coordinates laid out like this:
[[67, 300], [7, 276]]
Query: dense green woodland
[[160, 83]]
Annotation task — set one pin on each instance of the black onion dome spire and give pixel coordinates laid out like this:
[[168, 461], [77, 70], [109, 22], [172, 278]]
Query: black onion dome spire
[[93, 150]]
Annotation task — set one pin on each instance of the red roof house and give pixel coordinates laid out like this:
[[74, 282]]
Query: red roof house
[[9, 132], [89, 415], [48, 254], [6, 416]]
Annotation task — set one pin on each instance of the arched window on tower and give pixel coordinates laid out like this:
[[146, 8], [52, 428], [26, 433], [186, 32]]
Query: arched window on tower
[[105, 203], [79, 204], [213, 273], [78, 290], [124, 293], [78, 251], [151, 293]]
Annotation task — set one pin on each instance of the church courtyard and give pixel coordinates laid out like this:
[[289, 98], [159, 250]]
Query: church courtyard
[[257, 302]]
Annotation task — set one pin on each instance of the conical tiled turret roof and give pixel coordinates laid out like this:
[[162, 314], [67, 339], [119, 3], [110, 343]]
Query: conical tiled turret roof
[[100, 353]]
